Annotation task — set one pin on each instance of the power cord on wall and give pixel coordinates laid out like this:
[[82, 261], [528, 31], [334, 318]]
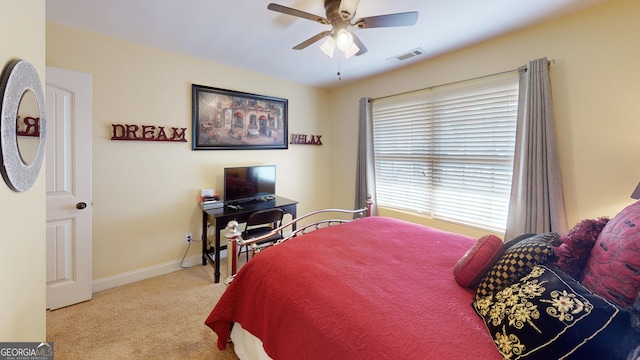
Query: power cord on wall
[[209, 227], [185, 255]]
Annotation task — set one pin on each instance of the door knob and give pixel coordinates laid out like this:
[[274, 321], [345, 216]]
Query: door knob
[[81, 205]]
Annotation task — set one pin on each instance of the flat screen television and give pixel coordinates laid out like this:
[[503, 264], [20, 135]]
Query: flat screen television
[[246, 183]]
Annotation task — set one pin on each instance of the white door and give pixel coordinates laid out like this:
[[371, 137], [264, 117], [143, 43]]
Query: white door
[[68, 169]]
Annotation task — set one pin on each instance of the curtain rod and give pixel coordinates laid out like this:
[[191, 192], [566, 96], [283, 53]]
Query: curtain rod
[[550, 62]]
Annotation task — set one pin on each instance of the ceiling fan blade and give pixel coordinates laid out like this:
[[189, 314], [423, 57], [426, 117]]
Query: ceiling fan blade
[[298, 13], [389, 20], [359, 44], [348, 9], [311, 40]]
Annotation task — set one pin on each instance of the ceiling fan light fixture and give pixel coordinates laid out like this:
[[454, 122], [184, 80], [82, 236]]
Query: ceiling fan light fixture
[[329, 46], [339, 14], [344, 39], [352, 50]]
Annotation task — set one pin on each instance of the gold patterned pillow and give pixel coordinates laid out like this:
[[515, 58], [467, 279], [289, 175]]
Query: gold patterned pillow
[[549, 315], [517, 261]]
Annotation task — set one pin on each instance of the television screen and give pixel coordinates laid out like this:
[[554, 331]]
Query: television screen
[[249, 182]]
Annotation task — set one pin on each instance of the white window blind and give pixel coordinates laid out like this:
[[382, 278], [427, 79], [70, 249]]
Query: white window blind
[[448, 151]]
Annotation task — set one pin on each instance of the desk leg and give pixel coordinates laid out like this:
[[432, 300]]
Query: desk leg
[[216, 272], [293, 217], [205, 221]]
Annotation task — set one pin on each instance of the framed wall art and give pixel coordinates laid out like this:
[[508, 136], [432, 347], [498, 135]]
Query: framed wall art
[[232, 120]]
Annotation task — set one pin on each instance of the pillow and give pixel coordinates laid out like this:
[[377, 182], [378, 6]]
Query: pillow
[[476, 261], [517, 261], [634, 312], [576, 245], [549, 315], [613, 268], [517, 239]]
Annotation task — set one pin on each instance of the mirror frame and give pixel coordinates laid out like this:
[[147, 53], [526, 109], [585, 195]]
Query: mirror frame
[[19, 76]]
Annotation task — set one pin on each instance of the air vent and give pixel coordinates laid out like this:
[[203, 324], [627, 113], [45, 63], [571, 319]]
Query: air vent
[[413, 53]]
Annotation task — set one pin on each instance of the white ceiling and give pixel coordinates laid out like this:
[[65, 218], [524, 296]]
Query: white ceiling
[[244, 34]]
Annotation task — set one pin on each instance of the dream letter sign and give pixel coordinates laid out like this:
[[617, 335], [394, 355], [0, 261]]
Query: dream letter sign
[[147, 133]]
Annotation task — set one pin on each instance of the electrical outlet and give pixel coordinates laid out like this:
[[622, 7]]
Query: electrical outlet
[[188, 237]]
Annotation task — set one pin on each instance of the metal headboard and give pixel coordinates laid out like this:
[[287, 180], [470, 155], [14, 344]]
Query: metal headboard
[[235, 240]]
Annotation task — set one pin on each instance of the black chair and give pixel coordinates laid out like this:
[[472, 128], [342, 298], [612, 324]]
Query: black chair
[[262, 222]]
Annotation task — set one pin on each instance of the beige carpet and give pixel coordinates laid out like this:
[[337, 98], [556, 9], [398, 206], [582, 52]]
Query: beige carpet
[[158, 318]]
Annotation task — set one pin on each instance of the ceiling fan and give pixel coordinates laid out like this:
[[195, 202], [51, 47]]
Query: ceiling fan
[[339, 14]]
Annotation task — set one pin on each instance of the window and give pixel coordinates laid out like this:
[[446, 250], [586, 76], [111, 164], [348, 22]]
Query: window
[[447, 152]]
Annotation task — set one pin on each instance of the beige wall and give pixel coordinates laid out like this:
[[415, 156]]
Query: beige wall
[[596, 92], [22, 215], [144, 193]]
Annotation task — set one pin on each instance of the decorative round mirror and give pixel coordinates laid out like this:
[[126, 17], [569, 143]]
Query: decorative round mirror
[[19, 82]]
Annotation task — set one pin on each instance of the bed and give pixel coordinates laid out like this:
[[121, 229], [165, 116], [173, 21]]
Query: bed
[[383, 288], [374, 288]]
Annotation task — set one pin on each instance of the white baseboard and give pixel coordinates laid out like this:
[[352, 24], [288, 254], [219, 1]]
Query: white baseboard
[[147, 273]]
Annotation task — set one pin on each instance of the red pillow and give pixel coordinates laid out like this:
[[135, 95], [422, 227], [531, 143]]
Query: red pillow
[[473, 265], [613, 268], [572, 255]]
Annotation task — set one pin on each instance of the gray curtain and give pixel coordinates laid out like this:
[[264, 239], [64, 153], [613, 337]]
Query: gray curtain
[[536, 203], [365, 176]]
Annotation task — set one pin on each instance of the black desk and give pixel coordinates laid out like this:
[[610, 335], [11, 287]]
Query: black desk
[[221, 216]]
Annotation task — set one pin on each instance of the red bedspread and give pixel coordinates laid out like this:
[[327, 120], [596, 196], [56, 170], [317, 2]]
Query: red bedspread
[[375, 288]]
